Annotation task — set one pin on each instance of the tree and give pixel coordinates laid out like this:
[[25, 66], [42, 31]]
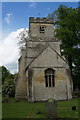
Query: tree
[[23, 37], [76, 69], [67, 23], [5, 74]]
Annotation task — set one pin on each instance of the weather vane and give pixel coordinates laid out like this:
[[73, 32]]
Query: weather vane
[[39, 14]]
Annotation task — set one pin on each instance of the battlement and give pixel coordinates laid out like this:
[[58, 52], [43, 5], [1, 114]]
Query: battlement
[[40, 20]]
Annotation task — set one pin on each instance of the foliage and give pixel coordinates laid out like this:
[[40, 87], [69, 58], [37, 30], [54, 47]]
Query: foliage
[[51, 100], [5, 74], [5, 100], [67, 23], [8, 86], [23, 36]]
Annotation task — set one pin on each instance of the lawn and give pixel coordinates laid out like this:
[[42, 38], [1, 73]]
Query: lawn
[[23, 109]]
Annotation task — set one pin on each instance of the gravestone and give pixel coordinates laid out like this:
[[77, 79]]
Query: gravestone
[[51, 109]]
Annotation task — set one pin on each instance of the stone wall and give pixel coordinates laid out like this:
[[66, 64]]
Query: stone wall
[[42, 93], [50, 59], [21, 83], [34, 25], [34, 30]]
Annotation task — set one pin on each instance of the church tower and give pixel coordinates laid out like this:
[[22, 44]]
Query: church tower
[[43, 72]]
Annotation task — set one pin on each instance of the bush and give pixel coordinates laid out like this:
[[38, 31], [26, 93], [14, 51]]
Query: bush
[[51, 100], [17, 100], [5, 100], [8, 88]]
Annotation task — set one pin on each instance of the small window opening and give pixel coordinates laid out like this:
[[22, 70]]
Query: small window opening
[[42, 29], [49, 77]]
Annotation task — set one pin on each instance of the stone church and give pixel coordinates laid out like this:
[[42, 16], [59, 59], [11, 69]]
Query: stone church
[[43, 72]]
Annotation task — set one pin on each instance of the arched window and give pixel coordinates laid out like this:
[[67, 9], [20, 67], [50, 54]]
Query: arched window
[[49, 77]]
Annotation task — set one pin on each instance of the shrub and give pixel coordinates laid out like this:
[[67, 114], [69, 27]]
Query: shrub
[[17, 100], [5, 100], [51, 100], [8, 88]]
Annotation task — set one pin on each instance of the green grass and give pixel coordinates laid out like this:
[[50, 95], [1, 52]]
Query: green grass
[[64, 109], [23, 109]]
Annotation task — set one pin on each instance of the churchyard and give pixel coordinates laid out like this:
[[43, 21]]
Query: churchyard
[[52, 67], [24, 109]]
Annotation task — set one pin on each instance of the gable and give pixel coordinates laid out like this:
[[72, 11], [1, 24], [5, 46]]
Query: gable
[[49, 58]]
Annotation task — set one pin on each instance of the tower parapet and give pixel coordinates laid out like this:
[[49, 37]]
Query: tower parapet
[[40, 20]]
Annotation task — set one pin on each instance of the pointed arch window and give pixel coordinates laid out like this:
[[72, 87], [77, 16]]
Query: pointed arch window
[[49, 77]]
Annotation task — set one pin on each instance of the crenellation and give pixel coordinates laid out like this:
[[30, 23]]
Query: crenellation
[[37, 18], [40, 20]]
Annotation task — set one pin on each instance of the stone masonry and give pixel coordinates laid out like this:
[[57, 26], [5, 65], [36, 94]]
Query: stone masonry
[[43, 72]]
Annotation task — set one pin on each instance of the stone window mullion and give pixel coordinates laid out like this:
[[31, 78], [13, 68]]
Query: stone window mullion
[[49, 77]]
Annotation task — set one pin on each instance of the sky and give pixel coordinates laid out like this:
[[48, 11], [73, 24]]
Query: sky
[[15, 17]]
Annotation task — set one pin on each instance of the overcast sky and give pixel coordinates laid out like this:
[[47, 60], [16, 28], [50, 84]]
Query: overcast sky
[[15, 17]]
